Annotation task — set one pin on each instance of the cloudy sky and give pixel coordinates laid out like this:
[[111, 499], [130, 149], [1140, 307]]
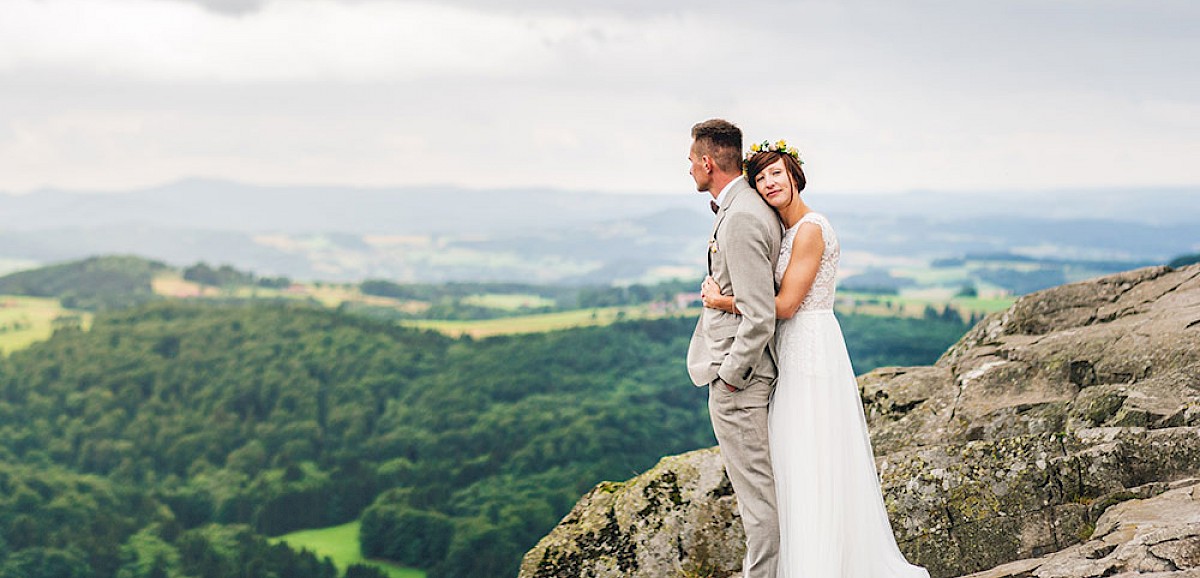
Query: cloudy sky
[[597, 95]]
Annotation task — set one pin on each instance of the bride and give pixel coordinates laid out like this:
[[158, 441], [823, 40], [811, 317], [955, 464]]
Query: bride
[[832, 521]]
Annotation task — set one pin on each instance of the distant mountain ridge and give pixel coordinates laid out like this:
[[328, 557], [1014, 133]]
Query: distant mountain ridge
[[228, 205], [433, 234]]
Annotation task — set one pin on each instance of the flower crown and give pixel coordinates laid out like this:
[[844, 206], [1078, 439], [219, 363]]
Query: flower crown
[[780, 146]]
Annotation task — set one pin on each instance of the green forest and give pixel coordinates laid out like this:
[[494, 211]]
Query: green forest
[[173, 438]]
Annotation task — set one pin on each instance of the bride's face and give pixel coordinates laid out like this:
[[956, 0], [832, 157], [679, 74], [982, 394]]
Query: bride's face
[[775, 185]]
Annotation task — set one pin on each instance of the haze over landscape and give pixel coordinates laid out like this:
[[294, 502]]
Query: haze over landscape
[[416, 234]]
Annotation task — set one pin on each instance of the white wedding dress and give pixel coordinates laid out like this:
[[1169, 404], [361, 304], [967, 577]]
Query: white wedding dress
[[832, 521]]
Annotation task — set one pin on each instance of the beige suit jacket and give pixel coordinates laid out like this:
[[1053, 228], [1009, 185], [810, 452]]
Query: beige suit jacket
[[742, 252]]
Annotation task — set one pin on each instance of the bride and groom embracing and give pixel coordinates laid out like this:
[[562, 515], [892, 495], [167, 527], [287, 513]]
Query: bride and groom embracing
[[783, 398]]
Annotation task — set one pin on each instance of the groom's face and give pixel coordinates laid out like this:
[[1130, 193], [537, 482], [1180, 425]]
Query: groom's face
[[699, 170]]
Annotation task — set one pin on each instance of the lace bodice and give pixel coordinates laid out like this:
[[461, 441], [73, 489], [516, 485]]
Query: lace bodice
[[820, 296]]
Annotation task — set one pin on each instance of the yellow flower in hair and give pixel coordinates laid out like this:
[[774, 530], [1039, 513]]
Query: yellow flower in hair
[[779, 146]]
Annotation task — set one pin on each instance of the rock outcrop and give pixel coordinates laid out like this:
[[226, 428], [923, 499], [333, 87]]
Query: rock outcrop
[[679, 518], [1034, 447]]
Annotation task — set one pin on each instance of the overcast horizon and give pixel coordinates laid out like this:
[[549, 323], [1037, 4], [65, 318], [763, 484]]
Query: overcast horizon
[[688, 191], [881, 97]]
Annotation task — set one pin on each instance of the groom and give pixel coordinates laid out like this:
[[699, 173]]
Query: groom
[[735, 354]]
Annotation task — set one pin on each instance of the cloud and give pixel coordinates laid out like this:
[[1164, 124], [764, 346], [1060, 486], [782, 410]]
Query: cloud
[[594, 95], [229, 7], [282, 41], [524, 7]]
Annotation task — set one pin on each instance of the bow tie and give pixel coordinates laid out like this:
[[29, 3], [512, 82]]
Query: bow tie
[[715, 207]]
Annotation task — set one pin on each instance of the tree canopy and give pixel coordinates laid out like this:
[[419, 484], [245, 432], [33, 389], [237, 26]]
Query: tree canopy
[[169, 439]]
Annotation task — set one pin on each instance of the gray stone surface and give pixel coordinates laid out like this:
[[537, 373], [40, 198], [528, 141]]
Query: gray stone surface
[[1029, 436], [1157, 536]]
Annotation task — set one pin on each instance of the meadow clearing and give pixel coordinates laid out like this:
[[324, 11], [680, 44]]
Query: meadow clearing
[[27, 320], [340, 544]]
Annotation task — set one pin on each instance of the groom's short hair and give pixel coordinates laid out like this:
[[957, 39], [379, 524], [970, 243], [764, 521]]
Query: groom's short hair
[[721, 140]]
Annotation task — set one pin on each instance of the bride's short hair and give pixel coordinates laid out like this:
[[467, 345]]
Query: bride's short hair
[[763, 159], [721, 140]]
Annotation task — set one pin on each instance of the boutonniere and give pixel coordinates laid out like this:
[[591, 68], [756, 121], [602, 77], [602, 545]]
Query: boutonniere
[[712, 245]]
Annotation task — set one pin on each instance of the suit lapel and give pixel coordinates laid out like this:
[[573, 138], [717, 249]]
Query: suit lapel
[[738, 187], [712, 239], [713, 247], [720, 217]]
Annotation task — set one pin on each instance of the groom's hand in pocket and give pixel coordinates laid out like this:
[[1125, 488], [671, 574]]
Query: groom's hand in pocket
[[722, 383]]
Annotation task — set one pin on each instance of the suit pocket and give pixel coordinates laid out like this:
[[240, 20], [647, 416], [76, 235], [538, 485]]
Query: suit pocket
[[719, 325], [723, 331], [720, 338]]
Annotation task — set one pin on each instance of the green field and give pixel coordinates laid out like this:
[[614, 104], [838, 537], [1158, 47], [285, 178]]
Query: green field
[[983, 304], [544, 321], [27, 320], [340, 543]]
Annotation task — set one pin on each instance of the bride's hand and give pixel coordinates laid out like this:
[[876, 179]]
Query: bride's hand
[[710, 294]]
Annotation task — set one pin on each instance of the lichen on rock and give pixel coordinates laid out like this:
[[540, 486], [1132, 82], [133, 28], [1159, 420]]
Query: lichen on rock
[[680, 518]]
